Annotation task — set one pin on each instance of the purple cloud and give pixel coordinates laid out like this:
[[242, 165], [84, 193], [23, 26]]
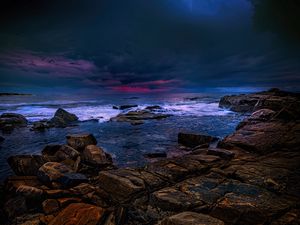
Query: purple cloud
[[59, 65]]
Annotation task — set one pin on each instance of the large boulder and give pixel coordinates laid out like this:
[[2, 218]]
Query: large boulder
[[79, 214], [95, 155], [62, 118], [273, 99], [60, 152], [26, 165], [190, 218], [12, 120], [194, 140], [58, 173], [80, 141]]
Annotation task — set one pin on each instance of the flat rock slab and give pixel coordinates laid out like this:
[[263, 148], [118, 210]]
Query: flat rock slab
[[190, 218], [79, 214]]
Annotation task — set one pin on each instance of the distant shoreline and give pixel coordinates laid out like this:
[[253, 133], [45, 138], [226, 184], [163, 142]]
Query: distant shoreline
[[14, 94]]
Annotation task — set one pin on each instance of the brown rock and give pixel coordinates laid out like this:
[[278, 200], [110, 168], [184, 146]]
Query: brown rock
[[26, 165], [121, 184], [190, 218], [95, 155], [50, 206], [79, 214], [52, 171], [80, 141], [193, 140], [30, 192]]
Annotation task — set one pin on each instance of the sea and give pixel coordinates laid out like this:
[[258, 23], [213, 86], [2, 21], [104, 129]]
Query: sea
[[191, 112]]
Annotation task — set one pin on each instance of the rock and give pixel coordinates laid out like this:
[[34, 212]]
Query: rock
[[140, 115], [190, 218], [59, 173], [122, 107], [119, 186], [136, 123], [95, 155], [26, 165], [273, 99], [193, 140], [30, 192], [263, 137], [72, 179], [156, 155], [66, 152], [62, 118], [221, 153], [50, 150], [52, 171], [15, 206], [258, 116], [50, 206], [40, 126], [12, 120], [1, 139], [79, 214], [80, 141]]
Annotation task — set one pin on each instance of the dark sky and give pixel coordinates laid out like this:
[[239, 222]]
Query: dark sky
[[148, 45]]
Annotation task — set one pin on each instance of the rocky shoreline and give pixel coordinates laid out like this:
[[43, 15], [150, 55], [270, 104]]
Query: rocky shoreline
[[250, 177]]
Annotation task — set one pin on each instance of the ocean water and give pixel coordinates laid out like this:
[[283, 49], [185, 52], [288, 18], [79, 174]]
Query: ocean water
[[192, 112]]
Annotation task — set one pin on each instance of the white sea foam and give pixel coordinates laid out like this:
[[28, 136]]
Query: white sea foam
[[91, 110]]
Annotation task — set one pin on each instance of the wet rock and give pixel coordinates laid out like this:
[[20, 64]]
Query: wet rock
[[122, 107], [79, 214], [193, 140], [221, 153], [95, 155], [30, 192], [15, 206], [66, 152], [12, 120], [263, 137], [62, 118], [26, 165], [261, 115], [52, 171], [273, 99], [141, 115], [50, 150], [121, 184], [80, 141], [190, 218], [156, 155], [72, 179], [40, 126], [50, 206]]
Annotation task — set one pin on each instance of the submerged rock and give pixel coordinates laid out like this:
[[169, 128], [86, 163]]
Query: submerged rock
[[134, 116], [194, 140], [156, 155], [26, 165], [122, 107], [80, 141]]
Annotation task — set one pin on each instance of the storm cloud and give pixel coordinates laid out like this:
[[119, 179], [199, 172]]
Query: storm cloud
[[144, 46]]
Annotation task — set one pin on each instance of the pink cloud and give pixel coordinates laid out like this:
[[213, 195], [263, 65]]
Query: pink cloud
[[147, 86]]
